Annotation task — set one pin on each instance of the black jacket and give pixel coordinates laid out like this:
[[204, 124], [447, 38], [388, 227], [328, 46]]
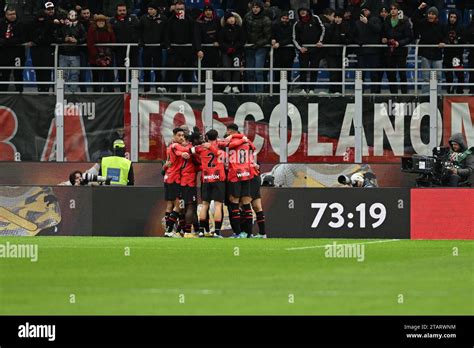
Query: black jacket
[[283, 34], [430, 34], [15, 36], [43, 31], [309, 33], [206, 32], [258, 28], [337, 34], [179, 31], [368, 34], [152, 29], [466, 165], [126, 29], [231, 36], [77, 31], [401, 33], [454, 36]]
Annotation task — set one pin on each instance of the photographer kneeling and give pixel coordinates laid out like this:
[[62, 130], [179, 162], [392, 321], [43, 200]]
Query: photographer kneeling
[[77, 178], [359, 179], [462, 160]]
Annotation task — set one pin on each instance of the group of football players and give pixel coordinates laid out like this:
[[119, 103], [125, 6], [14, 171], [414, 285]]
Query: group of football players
[[229, 176]]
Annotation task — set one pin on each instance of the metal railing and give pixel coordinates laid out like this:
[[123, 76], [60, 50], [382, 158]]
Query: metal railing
[[282, 111], [270, 71]]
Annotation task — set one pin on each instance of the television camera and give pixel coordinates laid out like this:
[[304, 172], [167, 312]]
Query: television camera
[[430, 169]]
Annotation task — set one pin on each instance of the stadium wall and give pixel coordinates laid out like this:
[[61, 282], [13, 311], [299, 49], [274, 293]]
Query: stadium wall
[[300, 213], [149, 174]]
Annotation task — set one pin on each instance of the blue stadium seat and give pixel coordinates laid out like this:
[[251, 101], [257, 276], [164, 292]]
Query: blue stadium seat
[[219, 12], [29, 74], [468, 15], [444, 15], [410, 74]]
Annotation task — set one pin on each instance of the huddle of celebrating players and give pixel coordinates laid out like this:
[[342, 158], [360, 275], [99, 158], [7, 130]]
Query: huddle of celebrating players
[[229, 175]]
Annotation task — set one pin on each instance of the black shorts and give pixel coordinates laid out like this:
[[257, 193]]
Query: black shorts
[[255, 184], [213, 191], [172, 191], [239, 189], [189, 194]]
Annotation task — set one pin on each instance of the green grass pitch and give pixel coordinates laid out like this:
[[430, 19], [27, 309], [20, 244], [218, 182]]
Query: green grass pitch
[[210, 276]]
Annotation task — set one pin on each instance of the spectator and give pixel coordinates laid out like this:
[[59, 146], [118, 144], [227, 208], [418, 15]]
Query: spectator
[[328, 17], [258, 30], [338, 34], [383, 13], [397, 35], [308, 31], [282, 36], [42, 53], [469, 39], [431, 33], [38, 6], [407, 7], [231, 42], [368, 31], [271, 10], [453, 57], [152, 31], [110, 6], [85, 20], [24, 10], [12, 35], [163, 7], [71, 34], [100, 57], [206, 31], [179, 32], [125, 28]]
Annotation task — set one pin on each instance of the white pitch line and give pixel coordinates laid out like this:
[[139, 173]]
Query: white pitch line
[[323, 246]]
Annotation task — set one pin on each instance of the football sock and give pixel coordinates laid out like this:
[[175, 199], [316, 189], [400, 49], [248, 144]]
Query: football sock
[[202, 226], [248, 219], [218, 226], [181, 224], [235, 217], [261, 222], [172, 219]]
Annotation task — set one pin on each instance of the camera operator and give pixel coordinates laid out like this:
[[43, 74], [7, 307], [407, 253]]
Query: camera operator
[[462, 160], [359, 179], [117, 167]]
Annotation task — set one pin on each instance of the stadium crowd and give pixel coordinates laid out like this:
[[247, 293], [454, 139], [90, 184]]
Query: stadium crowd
[[240, 37]]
